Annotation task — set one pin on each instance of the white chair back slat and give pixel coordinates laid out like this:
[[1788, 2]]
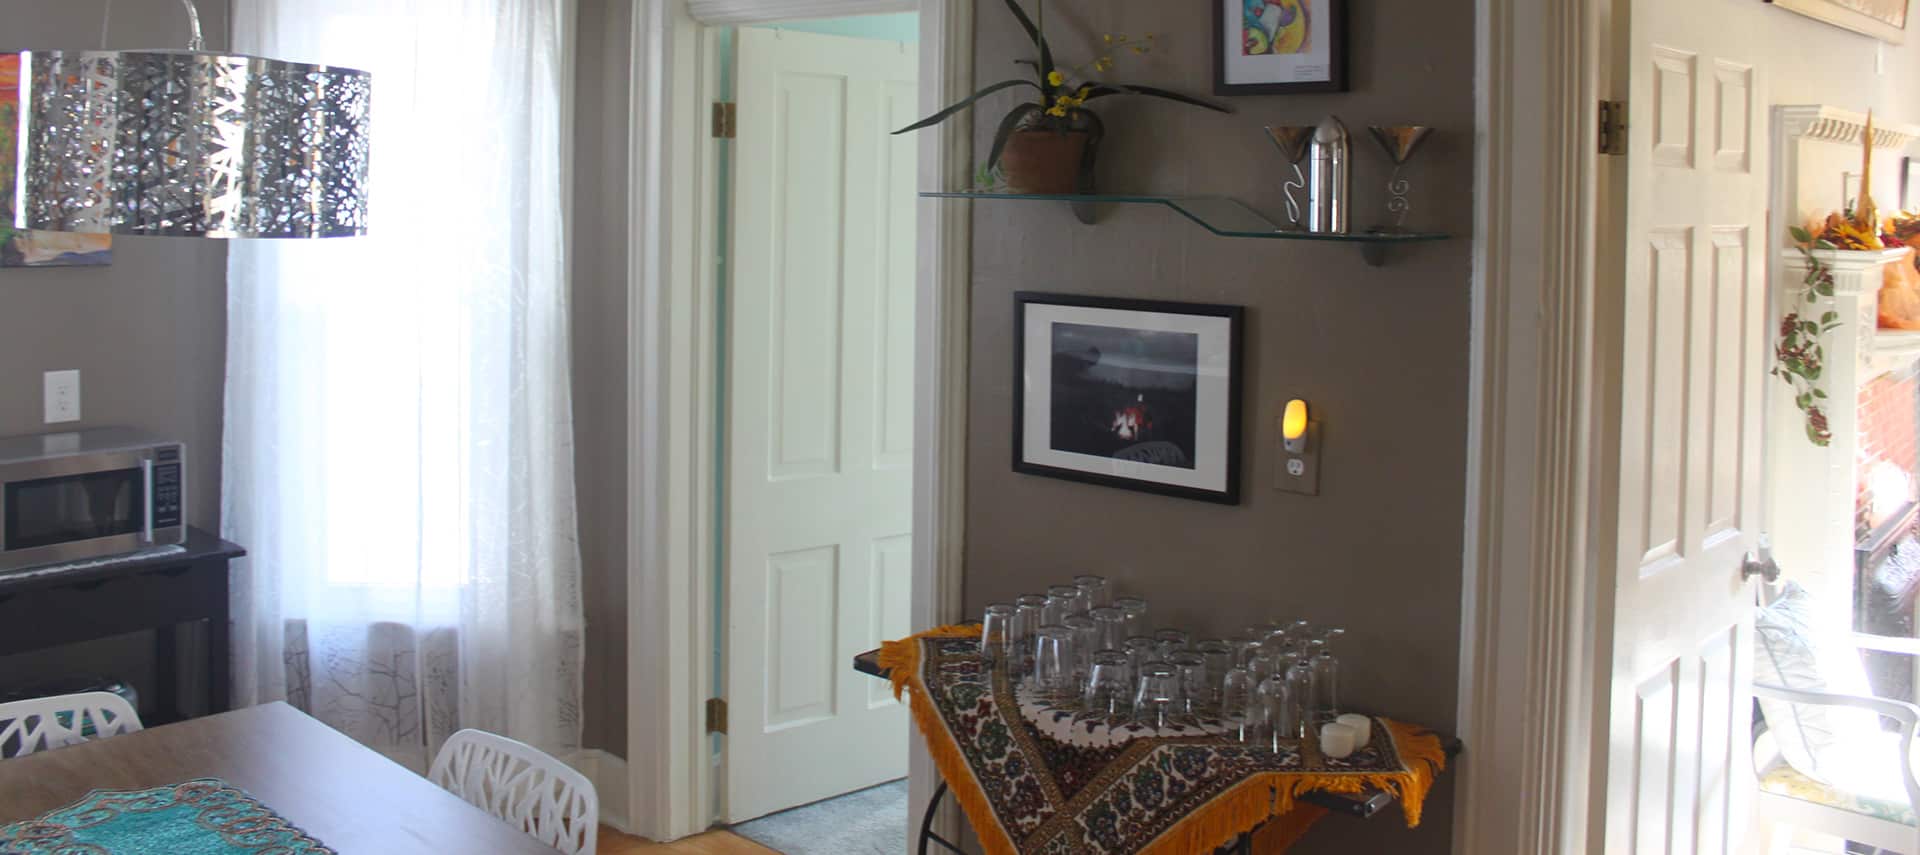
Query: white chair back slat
[[522, 786], [43, 724]]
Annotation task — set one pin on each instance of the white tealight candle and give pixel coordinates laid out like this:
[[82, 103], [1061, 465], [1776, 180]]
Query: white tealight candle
[[1362, 729], [1337, 740]]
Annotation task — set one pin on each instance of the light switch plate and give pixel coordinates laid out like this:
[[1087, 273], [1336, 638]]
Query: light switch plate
[[1298, 473], [62, 396]]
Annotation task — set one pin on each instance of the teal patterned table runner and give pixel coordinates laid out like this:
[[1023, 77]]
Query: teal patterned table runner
[[202, 817]]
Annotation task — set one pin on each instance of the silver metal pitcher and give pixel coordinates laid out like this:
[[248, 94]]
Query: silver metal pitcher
[[1329, 182]]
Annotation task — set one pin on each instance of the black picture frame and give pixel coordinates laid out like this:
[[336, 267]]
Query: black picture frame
[[1235, 316], [1336, 15]]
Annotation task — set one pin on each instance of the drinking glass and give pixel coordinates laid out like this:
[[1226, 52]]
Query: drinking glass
[[1157, 699], [1063, 600], [1099, 592], [1032, 616], [1136, 611], [1246, 648], [1141, 649], [1109, 695], [1280, 710], [1196, 691], [1295, 720], [1086, 640], [1326, 676], [1219, 655], [1237, 704], [996, 632], [1172, 641], [1113, 627], [1053, 663]]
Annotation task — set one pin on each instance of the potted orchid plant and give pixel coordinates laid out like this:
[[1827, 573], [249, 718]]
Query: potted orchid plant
[[1048, 145]]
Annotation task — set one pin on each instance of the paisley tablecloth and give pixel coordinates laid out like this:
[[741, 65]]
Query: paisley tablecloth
[[1027, 792], [201, 817]]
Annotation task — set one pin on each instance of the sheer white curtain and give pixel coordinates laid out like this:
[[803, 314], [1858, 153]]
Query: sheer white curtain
[[399, 436]]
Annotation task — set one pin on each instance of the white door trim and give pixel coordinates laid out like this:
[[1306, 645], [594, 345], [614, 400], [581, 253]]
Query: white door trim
[[1530, 662], [723, 12], [672, 387]]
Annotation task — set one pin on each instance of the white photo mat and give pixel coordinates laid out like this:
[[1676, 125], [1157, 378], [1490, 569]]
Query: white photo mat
[[1213, 386]]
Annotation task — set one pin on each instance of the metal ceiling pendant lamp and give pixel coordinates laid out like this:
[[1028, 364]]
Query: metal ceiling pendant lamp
[[190, 144]]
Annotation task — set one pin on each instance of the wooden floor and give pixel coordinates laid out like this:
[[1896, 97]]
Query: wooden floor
[[712, 843]]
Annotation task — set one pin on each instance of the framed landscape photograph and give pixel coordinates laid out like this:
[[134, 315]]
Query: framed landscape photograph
[[1885, 20], [1279, 47], [1136, 394]]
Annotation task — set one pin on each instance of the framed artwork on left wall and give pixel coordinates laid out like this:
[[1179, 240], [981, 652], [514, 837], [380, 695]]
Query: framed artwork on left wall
[[20, 248], [1136, 394]]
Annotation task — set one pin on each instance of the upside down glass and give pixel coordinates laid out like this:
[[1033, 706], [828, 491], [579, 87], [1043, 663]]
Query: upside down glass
[[1196, 691], [996, 631], [1053, 664], [1113, 627], [1032, 616], [1099, 592], [1237, 705], [1136, 611], [1109, 694], [1157, 700], [1086, 640]]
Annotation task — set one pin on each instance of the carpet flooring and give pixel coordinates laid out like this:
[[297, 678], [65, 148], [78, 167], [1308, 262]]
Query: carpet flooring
[[869, 821]]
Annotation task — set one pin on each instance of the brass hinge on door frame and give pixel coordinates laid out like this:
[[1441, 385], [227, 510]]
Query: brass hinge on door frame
[[725, 120], [716, 715], [1613, 127]]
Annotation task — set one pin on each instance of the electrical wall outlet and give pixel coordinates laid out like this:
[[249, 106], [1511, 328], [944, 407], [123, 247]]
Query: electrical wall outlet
[[62, 396], [1299, 472]]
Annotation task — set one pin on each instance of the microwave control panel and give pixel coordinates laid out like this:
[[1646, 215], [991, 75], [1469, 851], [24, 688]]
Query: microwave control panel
[[166, 487]]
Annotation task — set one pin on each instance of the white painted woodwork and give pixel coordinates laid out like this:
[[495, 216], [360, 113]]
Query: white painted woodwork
[[820, 414], [1692, 327], [1528, 654], [734, 12], [942, 309]]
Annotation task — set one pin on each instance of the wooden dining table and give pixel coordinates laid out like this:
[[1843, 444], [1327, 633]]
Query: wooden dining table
[[342, 793]]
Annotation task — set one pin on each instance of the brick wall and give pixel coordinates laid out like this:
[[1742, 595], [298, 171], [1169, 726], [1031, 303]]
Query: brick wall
[[1889, 433]]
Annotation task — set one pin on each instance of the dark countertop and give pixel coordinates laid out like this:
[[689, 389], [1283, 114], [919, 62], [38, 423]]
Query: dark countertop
[[199, 546]]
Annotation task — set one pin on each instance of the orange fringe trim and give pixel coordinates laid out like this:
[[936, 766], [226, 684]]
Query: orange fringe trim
[[1269, 796]]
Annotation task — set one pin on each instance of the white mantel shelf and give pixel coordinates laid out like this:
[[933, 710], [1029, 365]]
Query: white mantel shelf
[[1832, 124]]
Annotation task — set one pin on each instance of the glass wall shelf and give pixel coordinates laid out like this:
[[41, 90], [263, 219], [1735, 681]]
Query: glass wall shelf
[[1218, 214]]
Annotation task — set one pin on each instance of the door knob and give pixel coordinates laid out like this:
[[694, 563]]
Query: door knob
[[1760, 564]]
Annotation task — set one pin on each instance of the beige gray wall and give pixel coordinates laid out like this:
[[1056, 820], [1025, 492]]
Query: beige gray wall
[[148, 334], [600, 239], [1381, 353]]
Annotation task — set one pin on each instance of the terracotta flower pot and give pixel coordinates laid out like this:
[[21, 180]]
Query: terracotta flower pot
[[1044, 161]]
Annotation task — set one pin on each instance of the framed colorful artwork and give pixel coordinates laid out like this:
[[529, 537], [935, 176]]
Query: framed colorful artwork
[[21, 248], [1136, 394], [1279, 47], [1885, 20]]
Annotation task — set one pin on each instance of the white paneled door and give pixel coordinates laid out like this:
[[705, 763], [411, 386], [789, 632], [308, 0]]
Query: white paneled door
[[820, 414], [1692, 309]]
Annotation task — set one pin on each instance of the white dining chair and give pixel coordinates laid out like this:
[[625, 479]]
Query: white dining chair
[[523, 786], [41, 724]]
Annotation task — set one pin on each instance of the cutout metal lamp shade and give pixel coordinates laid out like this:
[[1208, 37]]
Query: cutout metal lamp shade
[[190, 144]]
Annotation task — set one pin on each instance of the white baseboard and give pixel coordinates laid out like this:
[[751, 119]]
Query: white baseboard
[[609, 776]]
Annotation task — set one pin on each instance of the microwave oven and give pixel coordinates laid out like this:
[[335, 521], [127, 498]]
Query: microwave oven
[[82, 495]]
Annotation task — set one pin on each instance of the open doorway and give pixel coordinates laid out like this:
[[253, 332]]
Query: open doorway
[[817, 249]]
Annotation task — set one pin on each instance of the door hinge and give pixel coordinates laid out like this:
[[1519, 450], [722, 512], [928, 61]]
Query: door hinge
[[1613, 127], [716, 715], [725, 120]]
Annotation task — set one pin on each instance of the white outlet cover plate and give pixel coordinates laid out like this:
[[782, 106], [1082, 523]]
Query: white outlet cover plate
[[62, 396]]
